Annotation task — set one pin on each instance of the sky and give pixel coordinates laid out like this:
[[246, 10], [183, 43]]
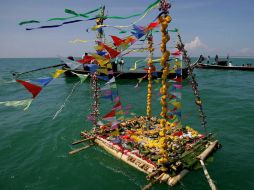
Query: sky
[[223, 27]]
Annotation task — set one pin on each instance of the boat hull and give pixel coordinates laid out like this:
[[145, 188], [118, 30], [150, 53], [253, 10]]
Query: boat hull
[[130, 75], [240, 68]]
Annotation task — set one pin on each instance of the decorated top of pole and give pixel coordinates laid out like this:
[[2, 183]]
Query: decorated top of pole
[[164, 6]]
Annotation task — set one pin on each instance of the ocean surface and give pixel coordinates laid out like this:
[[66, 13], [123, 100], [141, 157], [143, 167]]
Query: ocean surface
[[34, 147]]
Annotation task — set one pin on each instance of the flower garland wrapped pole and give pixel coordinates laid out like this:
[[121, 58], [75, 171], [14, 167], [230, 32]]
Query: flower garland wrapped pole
[[150, 70], [164, 20]]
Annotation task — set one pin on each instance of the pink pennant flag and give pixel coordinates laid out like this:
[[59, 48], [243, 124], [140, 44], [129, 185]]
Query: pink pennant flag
[[117, 99], [128, 107], [90, 118], [178, 86], [176, 53]]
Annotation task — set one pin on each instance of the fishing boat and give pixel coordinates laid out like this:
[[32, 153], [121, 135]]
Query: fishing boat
[[130, 74], [161, 145], [223, 64]]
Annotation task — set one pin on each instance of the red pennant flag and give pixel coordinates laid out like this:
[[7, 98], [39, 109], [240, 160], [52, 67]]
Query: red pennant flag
[[178, 79], [172, 97], [117, 106], [152, 25], [32, 88], [107, 56], [117, 41], [113, 53], [177, 53], [110, 114], [86, 59]]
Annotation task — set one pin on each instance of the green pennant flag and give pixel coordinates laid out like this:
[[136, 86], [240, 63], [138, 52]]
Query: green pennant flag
[[113, 86], [81, 77]]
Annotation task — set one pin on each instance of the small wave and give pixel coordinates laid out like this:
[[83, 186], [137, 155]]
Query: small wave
[[119, 171], [2, 81]]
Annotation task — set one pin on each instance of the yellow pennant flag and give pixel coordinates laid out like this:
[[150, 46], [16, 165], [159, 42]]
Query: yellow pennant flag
[[103, 70], [101, 60], [99, 47], [58, 73], [120, 112], [172, 71], [115, 133], [109, 66], [78, 41], [121, 118], [177, 104], [96, 27]]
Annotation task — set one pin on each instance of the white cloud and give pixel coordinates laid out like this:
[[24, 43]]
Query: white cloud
[[246, 51], [196, 43]]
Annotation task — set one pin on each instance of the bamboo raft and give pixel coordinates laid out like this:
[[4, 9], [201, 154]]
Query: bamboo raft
[[200, 149]]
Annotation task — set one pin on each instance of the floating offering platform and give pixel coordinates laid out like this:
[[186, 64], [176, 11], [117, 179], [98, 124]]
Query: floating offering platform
[[140, 142]]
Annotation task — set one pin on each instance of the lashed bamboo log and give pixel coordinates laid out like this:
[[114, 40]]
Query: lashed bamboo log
[[80, 149]]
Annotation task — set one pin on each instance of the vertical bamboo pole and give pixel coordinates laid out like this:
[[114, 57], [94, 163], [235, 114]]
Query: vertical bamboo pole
[[94, 80], [150, 70], [194, 84]]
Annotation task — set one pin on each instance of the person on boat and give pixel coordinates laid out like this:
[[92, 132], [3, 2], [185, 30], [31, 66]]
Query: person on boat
[[208, 60], [71, 58], [216, 59], [83, 56], [121, 63], [114, 65]]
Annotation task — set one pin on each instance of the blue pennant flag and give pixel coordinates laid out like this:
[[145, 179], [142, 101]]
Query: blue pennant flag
[[155, 74], [138, 34], [44, 81], [109, 97], [103, 77], [92, 67], [179, 71], [101, 53]]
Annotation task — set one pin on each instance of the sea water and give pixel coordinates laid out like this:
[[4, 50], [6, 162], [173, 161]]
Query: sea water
[[34, 147]]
